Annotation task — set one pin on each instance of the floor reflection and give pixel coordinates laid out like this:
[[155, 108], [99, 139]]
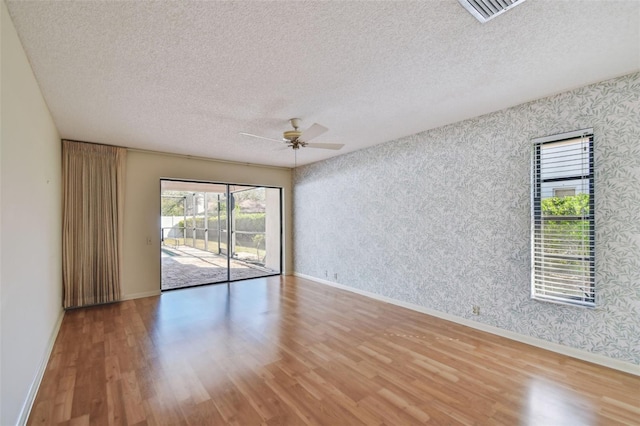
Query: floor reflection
[[549, 404], [233, 324]]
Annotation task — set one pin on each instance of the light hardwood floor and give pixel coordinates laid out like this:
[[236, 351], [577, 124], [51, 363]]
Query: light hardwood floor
[[288, 351]]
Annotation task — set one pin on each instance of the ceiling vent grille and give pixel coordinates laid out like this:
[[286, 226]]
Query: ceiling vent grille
[[485, 10]]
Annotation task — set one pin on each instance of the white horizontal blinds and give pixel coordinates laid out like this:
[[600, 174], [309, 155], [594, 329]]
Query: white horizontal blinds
[[563, 220]]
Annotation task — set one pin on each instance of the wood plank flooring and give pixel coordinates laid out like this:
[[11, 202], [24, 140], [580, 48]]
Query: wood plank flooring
[[288, 351]]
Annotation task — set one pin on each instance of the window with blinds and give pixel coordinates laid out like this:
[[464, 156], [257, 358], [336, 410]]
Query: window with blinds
[[562, 225]]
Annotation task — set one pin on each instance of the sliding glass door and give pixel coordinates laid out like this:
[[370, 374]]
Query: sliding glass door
[[214, 233], [255, 231]]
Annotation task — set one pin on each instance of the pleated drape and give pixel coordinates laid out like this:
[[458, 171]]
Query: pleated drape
[[92, 228]]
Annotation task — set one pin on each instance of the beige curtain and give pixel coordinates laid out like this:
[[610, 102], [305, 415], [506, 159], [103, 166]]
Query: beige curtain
[[92, 228]]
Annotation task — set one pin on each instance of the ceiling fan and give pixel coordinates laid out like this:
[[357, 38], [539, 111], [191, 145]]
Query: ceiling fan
[[297, 139]]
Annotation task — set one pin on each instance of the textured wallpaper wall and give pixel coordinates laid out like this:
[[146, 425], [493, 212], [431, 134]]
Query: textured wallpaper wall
[[442, 219]]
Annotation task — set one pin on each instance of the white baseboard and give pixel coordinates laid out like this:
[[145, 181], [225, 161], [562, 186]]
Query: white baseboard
[[140, 295], [583, 355], [35, 384]]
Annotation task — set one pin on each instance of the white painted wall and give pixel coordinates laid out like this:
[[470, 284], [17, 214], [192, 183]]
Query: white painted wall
[[141, 269], [30, 237]]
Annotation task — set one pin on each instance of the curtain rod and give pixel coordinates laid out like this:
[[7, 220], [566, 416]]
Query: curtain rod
[[188, 157]]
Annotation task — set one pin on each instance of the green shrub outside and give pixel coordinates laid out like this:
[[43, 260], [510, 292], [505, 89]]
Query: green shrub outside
[[575, 239], [244, 222]]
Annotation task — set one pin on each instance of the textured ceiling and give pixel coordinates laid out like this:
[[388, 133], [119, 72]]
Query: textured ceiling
[[187, 77]]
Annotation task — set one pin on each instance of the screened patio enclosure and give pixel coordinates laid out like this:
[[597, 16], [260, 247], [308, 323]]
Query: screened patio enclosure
[[214, 232]]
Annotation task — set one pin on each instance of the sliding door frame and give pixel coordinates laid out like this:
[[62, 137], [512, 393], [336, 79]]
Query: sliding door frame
[[229, 203]]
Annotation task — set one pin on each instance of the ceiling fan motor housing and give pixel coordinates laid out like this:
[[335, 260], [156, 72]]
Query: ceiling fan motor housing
[[292, 134]]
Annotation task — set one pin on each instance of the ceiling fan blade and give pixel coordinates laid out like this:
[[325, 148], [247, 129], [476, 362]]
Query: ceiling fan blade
[[314, 131], [260, 137], [335, 146]]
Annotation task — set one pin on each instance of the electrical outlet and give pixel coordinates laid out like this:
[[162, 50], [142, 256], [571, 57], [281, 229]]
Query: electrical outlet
[[148, 241], [326, 274], [335, 276], [476, 310]]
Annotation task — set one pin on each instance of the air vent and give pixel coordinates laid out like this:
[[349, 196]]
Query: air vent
[[485, 10]]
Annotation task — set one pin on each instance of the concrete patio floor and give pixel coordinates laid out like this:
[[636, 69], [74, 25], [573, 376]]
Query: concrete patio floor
[[185, 266]]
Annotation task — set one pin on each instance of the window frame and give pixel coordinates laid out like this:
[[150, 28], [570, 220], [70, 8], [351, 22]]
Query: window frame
[[540, 287]]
